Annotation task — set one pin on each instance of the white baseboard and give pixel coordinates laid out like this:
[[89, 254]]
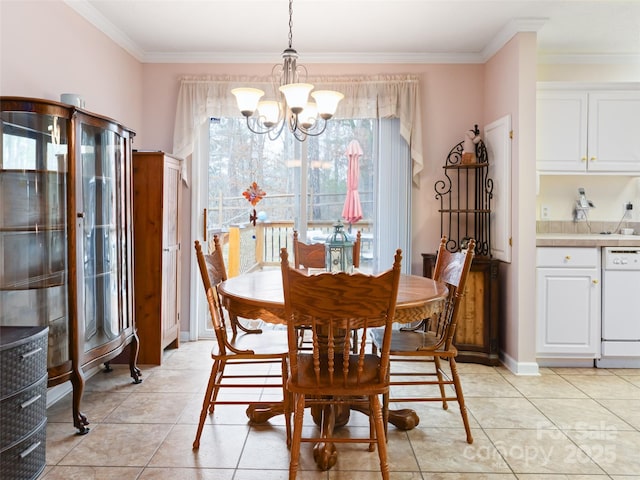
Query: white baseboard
[[56, 393], [519, 368], [566, 362]]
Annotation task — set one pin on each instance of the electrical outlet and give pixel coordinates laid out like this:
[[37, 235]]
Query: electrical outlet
[[544, 212], [628, 210]]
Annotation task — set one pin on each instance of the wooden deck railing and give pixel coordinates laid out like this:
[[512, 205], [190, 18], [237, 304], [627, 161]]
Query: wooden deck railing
[[249, 248]]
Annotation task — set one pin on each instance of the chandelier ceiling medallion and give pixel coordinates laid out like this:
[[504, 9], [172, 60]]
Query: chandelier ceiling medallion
[[293, 106]]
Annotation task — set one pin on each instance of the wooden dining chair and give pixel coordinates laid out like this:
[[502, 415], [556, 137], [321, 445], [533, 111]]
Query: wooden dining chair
[[425, 349], [248, 357], [357, 245], [218, 274], [312, 255], [307, 255], [331, 375]]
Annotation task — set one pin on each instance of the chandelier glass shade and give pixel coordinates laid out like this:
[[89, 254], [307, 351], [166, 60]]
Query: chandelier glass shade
[[292, 107]]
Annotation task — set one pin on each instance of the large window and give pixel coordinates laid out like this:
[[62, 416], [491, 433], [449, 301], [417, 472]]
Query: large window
[[306, 183]]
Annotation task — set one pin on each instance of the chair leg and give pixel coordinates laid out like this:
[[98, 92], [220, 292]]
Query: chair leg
[[372, 429], [385, 412], [443, 395], [286, 400], [376, 412], [298, 415], [206, 404], [460, 397], [216, 374]]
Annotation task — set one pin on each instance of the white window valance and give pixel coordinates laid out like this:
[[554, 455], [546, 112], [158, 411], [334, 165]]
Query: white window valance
[[384, 96]]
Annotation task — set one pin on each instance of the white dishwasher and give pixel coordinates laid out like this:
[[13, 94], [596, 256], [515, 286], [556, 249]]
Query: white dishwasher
[[620, 308]]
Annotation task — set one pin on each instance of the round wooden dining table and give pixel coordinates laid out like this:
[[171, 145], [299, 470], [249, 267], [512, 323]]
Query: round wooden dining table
[[259, 295]]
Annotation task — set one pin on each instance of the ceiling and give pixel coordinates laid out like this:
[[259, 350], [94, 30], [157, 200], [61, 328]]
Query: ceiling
[[366, 31]]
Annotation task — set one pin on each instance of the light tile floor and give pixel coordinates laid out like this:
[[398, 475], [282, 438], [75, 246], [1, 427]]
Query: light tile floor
[[564, 424]]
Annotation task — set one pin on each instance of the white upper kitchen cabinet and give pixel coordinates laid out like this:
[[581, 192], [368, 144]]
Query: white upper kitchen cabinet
[[584, 130]]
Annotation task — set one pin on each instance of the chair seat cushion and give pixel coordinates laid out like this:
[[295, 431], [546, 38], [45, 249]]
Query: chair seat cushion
[[403, 341], [269, 343], [306, 378]]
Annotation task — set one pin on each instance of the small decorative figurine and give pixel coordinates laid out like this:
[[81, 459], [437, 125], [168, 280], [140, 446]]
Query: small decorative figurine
[[471, 139], [254, 194]]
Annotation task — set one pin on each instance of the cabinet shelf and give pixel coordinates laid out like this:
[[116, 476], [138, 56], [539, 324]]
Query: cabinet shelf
[[464, 210], [55, 279], [33, 229], [466, 166]]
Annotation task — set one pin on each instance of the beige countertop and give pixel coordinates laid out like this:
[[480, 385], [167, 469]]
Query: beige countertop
[[586, 240]]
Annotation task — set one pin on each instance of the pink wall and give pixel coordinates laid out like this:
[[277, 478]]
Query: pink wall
[[46, 49], [510, 82]]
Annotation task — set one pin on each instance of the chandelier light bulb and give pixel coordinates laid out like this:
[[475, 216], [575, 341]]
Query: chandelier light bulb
[[327, 101], [296, 95], [247, 99], [269, 111], [309, 115]]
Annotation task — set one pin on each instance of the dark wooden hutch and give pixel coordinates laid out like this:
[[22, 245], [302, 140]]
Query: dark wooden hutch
[[66, 249]]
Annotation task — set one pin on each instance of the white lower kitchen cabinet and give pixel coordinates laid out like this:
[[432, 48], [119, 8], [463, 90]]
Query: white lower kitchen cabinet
[[568, 305]]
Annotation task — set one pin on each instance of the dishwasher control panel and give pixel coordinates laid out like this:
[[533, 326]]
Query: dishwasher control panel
[[621, 258]]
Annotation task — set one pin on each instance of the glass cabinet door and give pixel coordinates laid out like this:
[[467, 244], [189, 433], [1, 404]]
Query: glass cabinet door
[[33, 226], [102, 239]]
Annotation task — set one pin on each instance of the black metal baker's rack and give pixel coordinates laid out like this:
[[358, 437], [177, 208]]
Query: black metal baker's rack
[[465, 200]]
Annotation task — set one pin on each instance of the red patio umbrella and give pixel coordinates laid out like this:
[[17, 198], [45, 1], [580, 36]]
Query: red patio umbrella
[[352, 210]]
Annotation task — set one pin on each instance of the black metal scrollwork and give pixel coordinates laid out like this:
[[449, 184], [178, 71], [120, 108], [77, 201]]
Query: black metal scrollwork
[[465, 199]]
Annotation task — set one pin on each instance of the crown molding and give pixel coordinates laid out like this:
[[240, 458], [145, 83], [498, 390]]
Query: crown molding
[[588, 59], [93, 16], [517, 25], [306, 59]]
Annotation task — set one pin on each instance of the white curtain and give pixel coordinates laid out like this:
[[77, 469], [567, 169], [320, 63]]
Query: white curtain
[[384, 96]]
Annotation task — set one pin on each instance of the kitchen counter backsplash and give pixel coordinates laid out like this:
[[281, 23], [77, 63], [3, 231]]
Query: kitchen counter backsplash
[[578, 228], [571, 234]]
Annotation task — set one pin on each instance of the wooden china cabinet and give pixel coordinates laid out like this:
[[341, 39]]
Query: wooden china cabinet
[[66, 245]]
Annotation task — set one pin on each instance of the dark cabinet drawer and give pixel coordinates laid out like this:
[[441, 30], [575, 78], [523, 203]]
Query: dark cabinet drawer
[[26, 459], [22, 364], [22, 412]]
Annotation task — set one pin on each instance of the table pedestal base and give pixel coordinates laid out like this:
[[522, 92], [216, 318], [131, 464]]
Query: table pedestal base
[[329, 417]]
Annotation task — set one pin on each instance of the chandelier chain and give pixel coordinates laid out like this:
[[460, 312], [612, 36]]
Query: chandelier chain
[[290, 23]]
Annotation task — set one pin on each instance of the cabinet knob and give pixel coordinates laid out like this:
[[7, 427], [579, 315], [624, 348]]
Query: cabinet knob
[[594, 281], [592, 159], [584, 159], [567, 258]]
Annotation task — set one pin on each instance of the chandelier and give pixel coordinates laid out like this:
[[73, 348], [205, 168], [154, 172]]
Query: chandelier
[[293, 106]]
